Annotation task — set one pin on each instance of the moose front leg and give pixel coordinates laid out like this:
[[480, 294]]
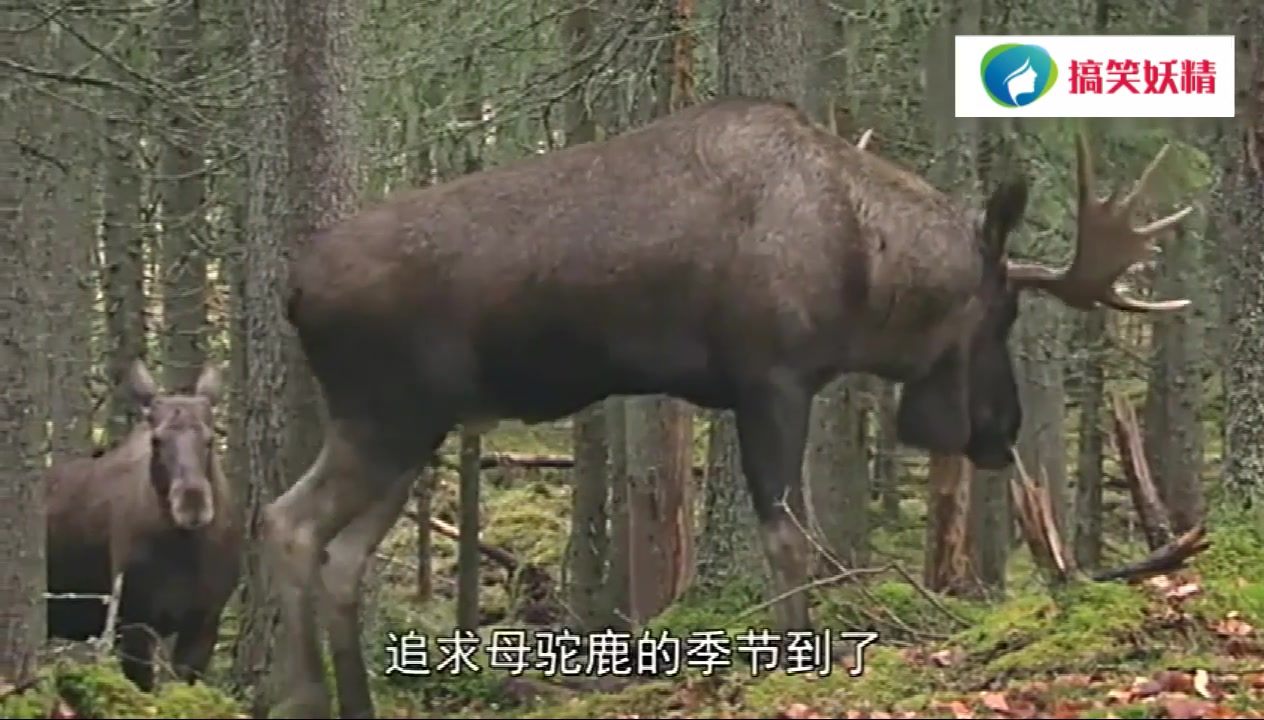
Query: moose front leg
[[137, 643], [195, 643], [772, 428]]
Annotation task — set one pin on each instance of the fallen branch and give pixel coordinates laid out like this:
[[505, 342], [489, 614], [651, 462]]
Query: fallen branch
[[534, 461], [498, 555], [1035, 515], [1035, 519], [1145, 496], [1169, 558]]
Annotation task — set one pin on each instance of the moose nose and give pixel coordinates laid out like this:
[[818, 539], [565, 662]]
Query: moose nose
[[193, 509]]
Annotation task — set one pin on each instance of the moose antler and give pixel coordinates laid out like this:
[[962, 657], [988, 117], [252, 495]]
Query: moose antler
[[864, 139], [1106, 246]]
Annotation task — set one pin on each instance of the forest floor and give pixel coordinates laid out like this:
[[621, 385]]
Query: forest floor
[[1185, 645]]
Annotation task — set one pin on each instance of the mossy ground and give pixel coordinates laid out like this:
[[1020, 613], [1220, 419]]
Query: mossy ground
[[1189, 648]]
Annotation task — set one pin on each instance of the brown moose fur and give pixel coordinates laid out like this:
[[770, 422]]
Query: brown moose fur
[[109, 512]]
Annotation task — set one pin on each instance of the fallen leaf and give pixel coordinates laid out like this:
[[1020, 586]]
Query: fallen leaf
[[1184, 708], [1145, 687], [1174, 681], [1023, 709], [1202, 683], [1119, 695], [1256, 681], [1075, 680], [996, 702], [1068, 709], [959, 710], [799, 711]]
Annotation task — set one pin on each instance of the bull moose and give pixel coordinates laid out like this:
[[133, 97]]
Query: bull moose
[[735, 255], [157, 512]]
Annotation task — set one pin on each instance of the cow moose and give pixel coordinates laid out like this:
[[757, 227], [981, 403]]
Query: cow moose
[[734, 254], [156, 511]]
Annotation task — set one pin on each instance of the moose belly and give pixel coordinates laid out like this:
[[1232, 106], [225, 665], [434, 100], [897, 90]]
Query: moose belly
[[550, 378]]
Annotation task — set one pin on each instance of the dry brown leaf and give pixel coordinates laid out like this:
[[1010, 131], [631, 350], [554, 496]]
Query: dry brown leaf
[[1255, 681], [1145, 687], [995, 701], [1174, 681], [1185, 708], [1075, 680], [1068, 709], [1119, 695], [799, 711], [960, 710], [1023, 709]]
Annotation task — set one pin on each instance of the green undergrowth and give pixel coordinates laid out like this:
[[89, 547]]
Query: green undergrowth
[[934, 649], [99, 690]]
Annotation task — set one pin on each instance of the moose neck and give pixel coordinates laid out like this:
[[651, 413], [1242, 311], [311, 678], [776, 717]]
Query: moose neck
[[925, 270]]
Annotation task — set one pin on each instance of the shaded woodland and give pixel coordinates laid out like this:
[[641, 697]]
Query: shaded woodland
[[159, 160]]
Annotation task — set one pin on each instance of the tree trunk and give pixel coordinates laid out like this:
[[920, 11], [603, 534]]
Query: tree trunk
[[1088, 474], [728, 544], [183, 190], [265, 343], [1244, 380], [660, 477], [949, 553], [23, 582], [468, 557], [837, 471], [1174, 434], [589, 546], [124, 250], [761, 47]]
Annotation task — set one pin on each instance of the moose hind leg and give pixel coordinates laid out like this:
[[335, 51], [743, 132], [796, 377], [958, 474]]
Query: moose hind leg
[[772, 426], [298, 525], [348, 554]]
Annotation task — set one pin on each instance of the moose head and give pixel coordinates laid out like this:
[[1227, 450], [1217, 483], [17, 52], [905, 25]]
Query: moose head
[[968, 403], [181, 430]]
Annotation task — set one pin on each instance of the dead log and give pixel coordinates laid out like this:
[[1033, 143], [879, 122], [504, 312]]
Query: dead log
[[1035, 515], [1169, 558], [500, 556], [1035, 520], [534, 461], [1145, 496], [948, 567]]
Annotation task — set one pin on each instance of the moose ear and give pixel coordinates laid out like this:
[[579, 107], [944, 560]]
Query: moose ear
[[1004, 211], [208, 383], [141, 384]]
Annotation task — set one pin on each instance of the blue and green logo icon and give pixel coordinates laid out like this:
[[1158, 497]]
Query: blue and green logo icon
[[1017, 75]]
